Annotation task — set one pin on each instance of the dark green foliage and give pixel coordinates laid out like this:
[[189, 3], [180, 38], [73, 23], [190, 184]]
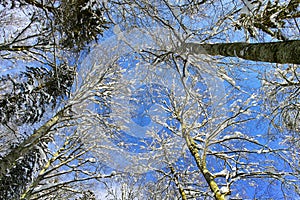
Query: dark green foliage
[[79, 22], [16, 180], [68, 24], [28, 94]]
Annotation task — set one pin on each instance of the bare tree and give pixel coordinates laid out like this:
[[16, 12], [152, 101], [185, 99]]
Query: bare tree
[[272, 18], [156, 100], [64, 162]]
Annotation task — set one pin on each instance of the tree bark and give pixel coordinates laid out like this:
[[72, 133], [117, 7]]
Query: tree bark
[[9, 160], [274, 52], [201, 164]]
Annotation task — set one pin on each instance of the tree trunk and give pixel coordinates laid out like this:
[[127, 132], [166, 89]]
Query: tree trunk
[[201, 164], [9, 160], [274, 52]]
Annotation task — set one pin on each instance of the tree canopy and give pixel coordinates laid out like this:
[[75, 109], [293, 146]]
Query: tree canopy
[[149, 100]]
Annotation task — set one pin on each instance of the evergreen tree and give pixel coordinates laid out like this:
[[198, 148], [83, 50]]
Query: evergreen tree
[[28, 95]]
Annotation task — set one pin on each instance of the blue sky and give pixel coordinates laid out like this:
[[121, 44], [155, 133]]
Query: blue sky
[[149, 95]]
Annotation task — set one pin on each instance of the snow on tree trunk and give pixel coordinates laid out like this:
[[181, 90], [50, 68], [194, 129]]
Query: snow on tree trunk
[[11, 158]]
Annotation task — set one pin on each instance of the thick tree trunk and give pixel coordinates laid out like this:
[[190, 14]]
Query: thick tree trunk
[[274, 52], [9, 160]]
